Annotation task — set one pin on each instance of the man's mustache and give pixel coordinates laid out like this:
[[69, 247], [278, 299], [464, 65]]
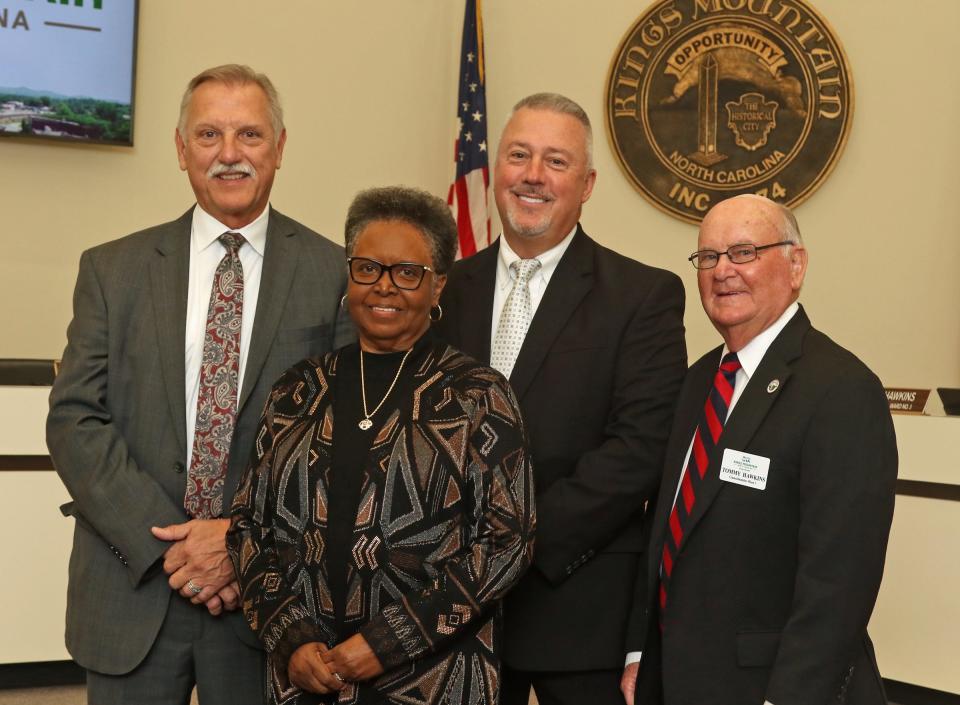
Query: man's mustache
[[219, 168]]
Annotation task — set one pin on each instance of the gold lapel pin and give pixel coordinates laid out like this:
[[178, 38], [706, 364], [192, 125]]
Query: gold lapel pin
[[773, 386]]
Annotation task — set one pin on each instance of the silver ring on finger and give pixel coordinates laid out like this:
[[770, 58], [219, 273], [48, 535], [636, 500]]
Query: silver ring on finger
[[193, 587], [339, 677]]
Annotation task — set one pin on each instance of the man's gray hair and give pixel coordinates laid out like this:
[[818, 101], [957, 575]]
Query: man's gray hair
[[234, 75], [790, 228], [424, 211], [557, 103]]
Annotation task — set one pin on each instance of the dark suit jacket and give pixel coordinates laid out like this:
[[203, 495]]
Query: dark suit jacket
[[772, 590], [597, 378], [117, 424]]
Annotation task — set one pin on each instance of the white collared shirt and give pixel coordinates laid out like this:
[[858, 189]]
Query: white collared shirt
[[752, 354], [205, 254], [750, 357], [538, 283]]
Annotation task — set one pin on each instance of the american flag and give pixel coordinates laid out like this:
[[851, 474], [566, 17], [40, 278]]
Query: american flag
[[468, 192]]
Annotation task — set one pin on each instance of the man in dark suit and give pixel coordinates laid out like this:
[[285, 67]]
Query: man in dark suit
[[771, 524], [177, 335], [593, 345]]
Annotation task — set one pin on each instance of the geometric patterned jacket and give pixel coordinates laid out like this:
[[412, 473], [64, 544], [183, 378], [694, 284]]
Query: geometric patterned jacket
[[444, 529]]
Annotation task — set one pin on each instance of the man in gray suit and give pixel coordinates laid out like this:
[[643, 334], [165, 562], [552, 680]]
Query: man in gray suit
[[177, 335]]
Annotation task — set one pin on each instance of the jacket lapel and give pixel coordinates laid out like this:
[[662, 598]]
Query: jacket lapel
[[568, 286], [751, 409], [279, 267], [695, 389], [169, 279], [476, 312]]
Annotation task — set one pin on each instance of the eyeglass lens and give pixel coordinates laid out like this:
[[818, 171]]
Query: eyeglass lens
[[404, 275]]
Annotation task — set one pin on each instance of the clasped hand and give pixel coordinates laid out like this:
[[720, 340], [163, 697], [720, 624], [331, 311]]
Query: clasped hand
[[198, 557], [318, 669]]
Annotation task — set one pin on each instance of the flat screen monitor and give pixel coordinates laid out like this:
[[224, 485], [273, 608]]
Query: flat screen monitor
[[67, 69]]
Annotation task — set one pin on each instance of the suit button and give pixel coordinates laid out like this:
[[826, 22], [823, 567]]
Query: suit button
[[178, 466]]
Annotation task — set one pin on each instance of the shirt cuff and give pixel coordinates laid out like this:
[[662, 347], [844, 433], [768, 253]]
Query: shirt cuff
[[634, 657]]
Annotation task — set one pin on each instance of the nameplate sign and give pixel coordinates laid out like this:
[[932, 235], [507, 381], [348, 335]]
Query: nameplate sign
[[906, 401]]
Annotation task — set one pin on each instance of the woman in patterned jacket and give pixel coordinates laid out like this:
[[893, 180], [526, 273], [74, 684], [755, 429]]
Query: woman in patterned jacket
[[389, 502]]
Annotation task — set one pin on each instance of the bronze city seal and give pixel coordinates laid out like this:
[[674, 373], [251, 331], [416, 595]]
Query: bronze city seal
[[708, 99]]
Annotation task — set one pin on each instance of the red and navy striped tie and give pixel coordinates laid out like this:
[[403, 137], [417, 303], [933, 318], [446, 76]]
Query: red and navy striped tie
[[705, 439]]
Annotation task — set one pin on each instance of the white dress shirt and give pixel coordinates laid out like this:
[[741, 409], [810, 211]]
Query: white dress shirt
[[205, 254], [538, 283], [750, 357]]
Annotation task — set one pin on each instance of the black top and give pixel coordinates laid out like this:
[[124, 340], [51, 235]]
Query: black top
[[351, 444]]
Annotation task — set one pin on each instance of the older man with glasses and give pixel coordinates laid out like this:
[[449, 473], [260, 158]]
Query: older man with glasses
[[771, 526]]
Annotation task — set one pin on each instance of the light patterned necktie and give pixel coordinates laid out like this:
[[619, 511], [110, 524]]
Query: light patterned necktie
[[217, 399], [515, 318]]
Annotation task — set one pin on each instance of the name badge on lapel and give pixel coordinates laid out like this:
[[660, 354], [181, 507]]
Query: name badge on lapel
[[744, 469]]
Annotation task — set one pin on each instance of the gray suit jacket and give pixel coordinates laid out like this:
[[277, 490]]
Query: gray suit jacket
[[117, 424]]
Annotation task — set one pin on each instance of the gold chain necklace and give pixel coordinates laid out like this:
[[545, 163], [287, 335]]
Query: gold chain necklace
[[365, 422]]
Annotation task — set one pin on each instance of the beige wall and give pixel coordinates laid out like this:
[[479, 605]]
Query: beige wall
[[370, 88]]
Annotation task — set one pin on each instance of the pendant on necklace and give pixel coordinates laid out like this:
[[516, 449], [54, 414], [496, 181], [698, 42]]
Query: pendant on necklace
[[365, 424]]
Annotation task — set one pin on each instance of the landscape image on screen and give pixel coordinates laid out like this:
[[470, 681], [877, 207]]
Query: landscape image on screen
[[66, 70], [53, 115]]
